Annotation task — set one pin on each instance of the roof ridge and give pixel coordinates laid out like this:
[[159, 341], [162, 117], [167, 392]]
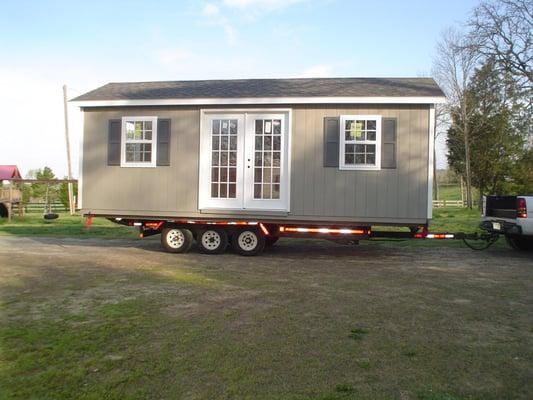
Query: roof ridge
[[277, 79]]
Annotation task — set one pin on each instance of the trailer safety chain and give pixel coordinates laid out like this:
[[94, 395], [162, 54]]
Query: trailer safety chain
[[489, 239]]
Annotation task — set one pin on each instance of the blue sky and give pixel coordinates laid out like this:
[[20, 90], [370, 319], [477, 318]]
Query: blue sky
[[44, 44]]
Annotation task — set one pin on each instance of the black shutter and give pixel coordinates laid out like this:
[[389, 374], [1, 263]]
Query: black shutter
[[113, 141], [163, 142], [388, 143], [331, 141]]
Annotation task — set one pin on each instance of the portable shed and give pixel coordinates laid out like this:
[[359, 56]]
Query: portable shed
[[350, 150]]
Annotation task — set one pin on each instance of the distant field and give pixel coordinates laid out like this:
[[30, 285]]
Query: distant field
[[452, 192]]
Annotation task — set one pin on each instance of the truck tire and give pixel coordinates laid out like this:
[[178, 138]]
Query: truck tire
[[522, 243], [212, 241], [176, 240], [248, 242]]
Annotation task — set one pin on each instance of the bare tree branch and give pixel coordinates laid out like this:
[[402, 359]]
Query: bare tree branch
[[503, 30]]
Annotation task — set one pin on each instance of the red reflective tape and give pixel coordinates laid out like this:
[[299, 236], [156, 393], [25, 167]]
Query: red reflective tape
[[153, 225]]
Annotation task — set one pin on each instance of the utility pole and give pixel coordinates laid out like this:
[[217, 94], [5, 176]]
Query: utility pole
[[70, 191]]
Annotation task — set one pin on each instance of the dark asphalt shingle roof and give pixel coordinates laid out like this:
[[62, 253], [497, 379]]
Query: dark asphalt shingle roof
[[241, 88]]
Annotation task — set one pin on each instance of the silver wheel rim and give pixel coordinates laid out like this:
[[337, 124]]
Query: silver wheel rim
[[247, 240], [175, 238], [211, 240]]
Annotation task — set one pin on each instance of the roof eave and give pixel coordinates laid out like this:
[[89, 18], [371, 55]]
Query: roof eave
[[263, 100]]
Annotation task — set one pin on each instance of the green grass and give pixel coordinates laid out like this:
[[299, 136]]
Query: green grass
[[66, 226], [128, 323], [451, 219], [453, 192], [455, 219]]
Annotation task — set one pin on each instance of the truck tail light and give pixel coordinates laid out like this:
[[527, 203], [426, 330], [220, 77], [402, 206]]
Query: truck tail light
[[521, 208]]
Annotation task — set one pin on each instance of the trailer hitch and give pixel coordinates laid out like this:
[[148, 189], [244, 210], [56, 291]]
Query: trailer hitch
[[488, 238]]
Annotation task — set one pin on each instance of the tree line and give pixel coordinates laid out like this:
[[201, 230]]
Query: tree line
[[485, 70]]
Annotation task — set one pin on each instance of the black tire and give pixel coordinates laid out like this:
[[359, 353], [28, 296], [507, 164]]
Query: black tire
[[212, 240], [271, 240], [248, 242], [176, 240], [520, 243]]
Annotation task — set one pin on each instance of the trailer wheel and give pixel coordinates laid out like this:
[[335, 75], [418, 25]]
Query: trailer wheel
[[248, 242], [520, 243], [176, 240], [212, 241], [271, 240]]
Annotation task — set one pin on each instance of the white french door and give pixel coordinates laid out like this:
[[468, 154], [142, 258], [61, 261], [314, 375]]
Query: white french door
[[244, 161]]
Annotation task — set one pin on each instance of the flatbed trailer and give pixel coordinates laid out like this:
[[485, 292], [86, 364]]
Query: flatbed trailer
[[250, 237]]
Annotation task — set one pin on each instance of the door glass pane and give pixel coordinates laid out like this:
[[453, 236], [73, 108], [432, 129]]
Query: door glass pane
[[258, 143], [277, 143], [257, 191], [224, 158], [223, 187], [215, 143], [276, 159], [268, 143], [224, 143], [224, 127], [223, 175], [266, 191], [257, 175], [233, 174], [232, 193], [276, 175], [267, 175], [214, 158], [275, 191], [232, 158]]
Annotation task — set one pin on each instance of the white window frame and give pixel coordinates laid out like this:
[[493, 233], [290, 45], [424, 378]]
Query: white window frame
[[343, 142], [124, 141]]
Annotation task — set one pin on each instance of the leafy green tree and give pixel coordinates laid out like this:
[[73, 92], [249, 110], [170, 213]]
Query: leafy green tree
[[39, 190], [63, 193], [522, 174], [497, 133]]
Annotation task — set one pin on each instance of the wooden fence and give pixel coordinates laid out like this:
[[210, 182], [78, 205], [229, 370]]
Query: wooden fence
[[39, 207], [450, 203]]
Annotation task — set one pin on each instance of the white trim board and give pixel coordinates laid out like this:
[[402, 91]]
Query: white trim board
[[431, 144], [262, 100]]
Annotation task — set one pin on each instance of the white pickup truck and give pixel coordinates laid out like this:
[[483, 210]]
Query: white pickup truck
[[511, 216]]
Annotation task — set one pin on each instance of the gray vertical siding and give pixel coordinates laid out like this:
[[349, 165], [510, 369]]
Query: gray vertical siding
[[317, 193]]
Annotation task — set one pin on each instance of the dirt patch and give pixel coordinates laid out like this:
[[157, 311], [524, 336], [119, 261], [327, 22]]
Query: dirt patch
[[305, 320]]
